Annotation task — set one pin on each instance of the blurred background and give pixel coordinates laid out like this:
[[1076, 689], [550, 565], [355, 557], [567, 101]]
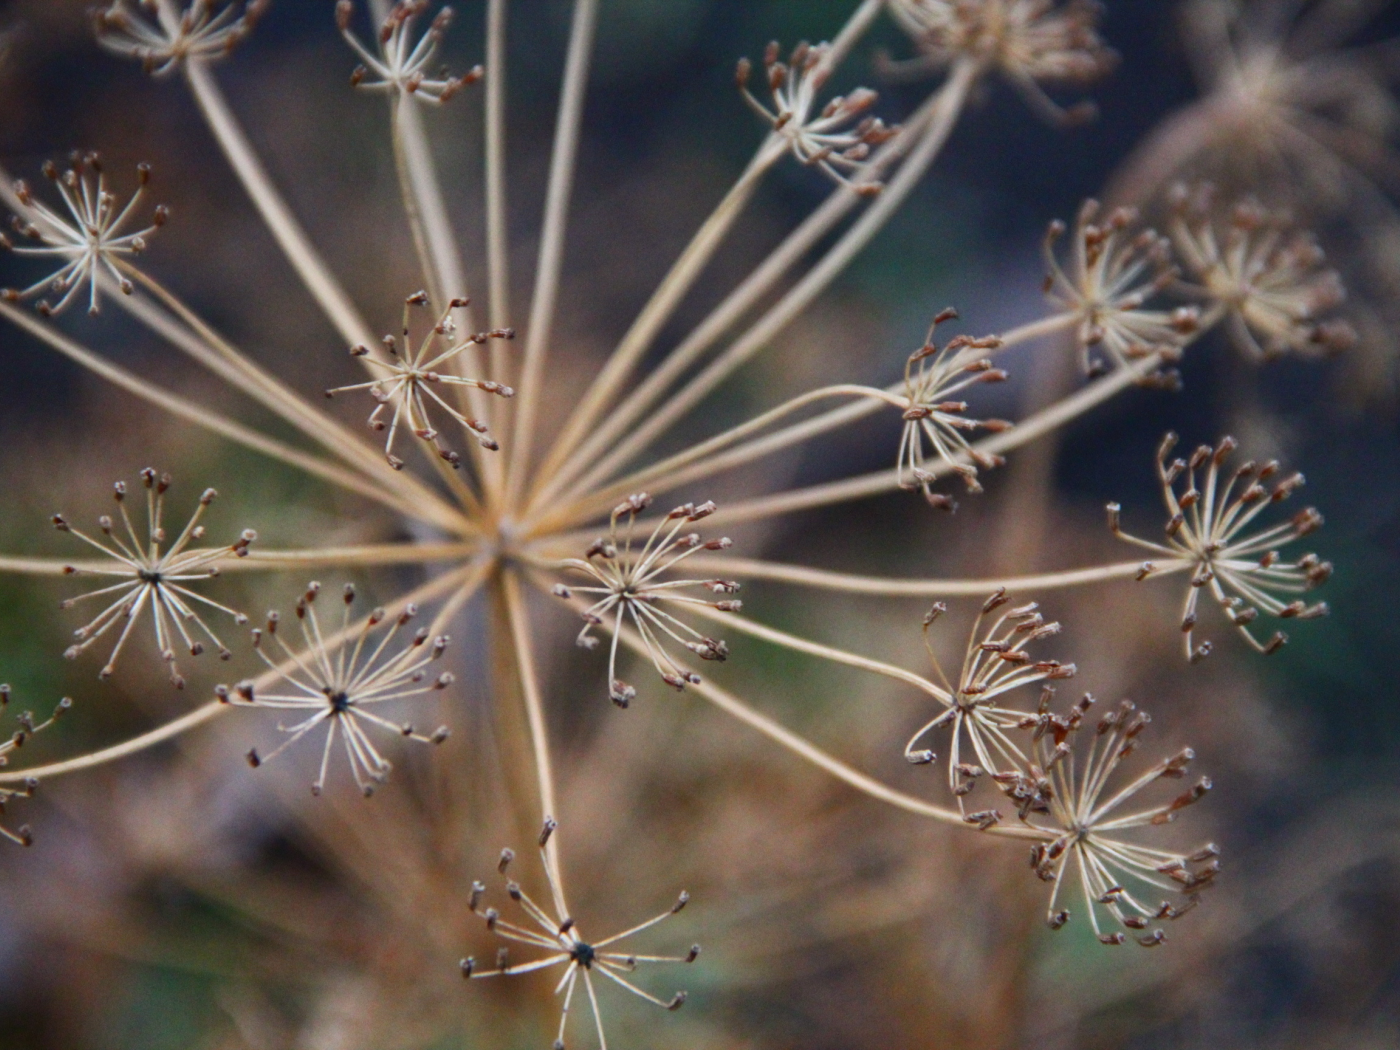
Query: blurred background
[[181, 901]]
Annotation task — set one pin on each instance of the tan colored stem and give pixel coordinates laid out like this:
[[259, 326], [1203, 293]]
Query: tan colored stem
[[523, 642], [199, 715], [892, 587], [551, 257], [945, 106], [210, 420], [747, 626], [290, 237]]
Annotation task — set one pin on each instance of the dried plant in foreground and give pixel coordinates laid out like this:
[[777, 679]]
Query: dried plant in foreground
[[488, 531]]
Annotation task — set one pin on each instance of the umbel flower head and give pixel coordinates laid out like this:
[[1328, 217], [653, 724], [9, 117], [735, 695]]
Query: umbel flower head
[[631, 586], [560, 936], [995, 662], [398, 66], [1114, 268], [1086, 850], [86, 243], [160, 35], [1206, 535], [149, 577], [1030, 42], [336, 680], [411, 378], [934, 422], [27, 728], [838, 137], [1269, 277]]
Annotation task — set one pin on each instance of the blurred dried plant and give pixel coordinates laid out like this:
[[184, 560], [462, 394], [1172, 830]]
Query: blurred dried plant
[[477, 540]]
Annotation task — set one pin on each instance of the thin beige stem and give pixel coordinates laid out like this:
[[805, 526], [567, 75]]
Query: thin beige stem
[[497, 215], [523, 641], [659, 309], [159, 735], [812, 284], [881, 481], [438, 254], [48, 566], [364, 556], [310, 267], [672, 473], [210, 349], [199, 715], [758, 284], [671, 470], [825, 652], [210, 420], [805, 749], [894, 587], [472, 579], [551, 257]]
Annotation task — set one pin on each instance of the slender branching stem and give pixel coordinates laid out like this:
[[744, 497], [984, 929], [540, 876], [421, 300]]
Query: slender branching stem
[[200, 715], [136, 744], [361, 557], [551, 257], [323, 285], [662, 304], [212, 350], [181, 408], [683, 468], [805, 749], [745, 625], [896, 587], [939, 109], [497, 214], [672, 472], [523, 641], [880, 481]]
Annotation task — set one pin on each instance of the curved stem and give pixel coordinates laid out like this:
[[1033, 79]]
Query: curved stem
[[290, 237], [742, 299], [159, 735], [824, 652], [942, 117], [534, 705], [551, 257], [881, 481], [805, 749], [210, 349], [362, 556], [210, 420], [209, 711], [894, 587], [671, 470], [658, 309]]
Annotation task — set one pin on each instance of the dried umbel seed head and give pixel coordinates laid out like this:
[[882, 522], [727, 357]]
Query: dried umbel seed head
[[838, 136], [87, 243], [152, 577], [161, 35], [1269, 278], [1206, 536], [1091, 846], [632, 588], [26, 728], [1031, 43], [1114, 267], [935, 421], [996, 661], [559, 936], [398, 65], [410, 377], [337, 681]]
